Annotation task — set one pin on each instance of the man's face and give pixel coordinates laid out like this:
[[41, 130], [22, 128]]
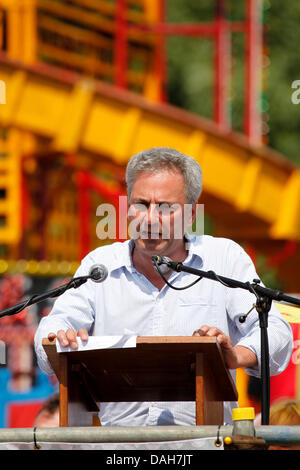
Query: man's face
[[156, 212]]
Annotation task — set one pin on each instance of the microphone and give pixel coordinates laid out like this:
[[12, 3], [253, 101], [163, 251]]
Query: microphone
[[98, 273], [165, 263], [162, 260]]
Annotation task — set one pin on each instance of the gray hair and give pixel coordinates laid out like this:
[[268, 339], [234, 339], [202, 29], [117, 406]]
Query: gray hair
[[159, 158]]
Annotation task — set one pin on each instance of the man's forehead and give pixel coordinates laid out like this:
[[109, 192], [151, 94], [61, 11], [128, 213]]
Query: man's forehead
[[166, 183], [158, 172]]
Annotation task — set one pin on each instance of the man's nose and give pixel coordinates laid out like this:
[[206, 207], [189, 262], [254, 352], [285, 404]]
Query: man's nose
[[153, 213]]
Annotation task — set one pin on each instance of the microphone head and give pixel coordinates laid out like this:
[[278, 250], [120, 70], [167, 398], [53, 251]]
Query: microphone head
[[163, 263], [98, 273], [156, 259], [161, 260]]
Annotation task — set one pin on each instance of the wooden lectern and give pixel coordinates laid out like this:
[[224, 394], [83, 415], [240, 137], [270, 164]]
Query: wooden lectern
[[165, 368]]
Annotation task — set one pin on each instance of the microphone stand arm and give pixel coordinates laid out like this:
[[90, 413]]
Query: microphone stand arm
[[73, 283], [264, 298], [260, 290]]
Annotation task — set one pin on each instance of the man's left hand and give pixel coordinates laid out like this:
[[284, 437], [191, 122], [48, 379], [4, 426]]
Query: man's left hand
[[235, 356]]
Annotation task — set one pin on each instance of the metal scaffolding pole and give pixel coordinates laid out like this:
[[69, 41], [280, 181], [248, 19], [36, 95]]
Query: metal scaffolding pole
[[279, 435]]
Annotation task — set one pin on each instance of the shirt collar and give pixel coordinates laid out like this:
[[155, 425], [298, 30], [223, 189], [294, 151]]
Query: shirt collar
[[194, 245], [123, 256]]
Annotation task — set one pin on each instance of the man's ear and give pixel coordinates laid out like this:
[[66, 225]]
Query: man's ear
[[191, 214], [194, 212]]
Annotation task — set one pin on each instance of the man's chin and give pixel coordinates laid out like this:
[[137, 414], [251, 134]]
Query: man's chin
[[152, 246]]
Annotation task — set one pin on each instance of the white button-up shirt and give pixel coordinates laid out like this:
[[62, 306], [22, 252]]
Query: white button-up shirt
[[127, 302]]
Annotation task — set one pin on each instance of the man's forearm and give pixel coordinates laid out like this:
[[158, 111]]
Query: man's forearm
[[245, 357]]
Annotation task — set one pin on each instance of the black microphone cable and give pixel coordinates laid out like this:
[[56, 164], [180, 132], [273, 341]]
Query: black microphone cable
[[156, 267]]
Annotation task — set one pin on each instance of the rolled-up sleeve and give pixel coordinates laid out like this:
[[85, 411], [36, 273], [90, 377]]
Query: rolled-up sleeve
[[248, 334]]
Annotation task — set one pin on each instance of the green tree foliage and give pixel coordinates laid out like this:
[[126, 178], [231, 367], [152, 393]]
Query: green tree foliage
[[191, 68], [283, 38]]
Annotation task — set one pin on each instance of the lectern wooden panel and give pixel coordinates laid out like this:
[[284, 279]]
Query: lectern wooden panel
[[166, 368]]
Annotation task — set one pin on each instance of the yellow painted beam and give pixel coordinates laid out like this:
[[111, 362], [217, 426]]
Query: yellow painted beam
[[75, 112], [103, 126], [99, 119], [41, 107], [15, 84], [287, 222], [126, 136], [248, 185], [223, 166], [195, 145]]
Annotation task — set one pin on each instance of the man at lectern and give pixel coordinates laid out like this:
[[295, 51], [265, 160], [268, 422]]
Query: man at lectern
[[163, 189]]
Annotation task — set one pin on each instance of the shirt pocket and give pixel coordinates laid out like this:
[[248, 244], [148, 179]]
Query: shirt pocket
[[195, 300], [194, 312]]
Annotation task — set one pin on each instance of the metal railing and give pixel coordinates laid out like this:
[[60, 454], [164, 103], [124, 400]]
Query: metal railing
[[273, 435]]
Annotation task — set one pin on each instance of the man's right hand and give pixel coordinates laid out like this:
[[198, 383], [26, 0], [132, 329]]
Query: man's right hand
[[69, 337]]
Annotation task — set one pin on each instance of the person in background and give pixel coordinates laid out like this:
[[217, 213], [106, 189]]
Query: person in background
[[48, 415], [285, 413]]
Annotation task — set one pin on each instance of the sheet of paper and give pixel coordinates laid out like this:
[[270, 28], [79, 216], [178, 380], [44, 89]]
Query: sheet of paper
[[101, 342]]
